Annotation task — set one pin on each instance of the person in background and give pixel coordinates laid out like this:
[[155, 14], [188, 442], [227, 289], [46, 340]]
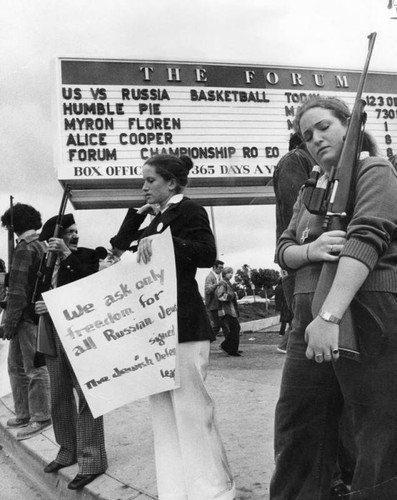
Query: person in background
[[79, 435], [285, 314], [228, 314], [393, 160], [191, 462], [2, 283], [289, 176], [29, 384], [211, 298], [317, 382]]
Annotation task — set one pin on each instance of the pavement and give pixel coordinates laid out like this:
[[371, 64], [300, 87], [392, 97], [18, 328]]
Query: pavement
[[245, 392]]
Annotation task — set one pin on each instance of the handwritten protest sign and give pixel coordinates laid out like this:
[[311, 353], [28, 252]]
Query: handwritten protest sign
[[119, 328]]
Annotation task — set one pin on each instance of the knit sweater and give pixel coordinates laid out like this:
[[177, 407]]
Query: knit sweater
[[23, 274], [371, 233]]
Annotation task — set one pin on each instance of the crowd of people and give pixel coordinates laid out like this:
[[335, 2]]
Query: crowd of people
[[190, 458], [324, 395]]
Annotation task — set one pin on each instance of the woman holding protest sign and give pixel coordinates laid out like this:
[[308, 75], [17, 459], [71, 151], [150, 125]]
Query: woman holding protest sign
[[317, 379], [191, 462]]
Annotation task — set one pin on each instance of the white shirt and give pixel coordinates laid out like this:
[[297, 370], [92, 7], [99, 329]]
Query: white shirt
[[173, 201]]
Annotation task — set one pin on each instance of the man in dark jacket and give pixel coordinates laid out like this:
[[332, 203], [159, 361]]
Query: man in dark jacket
[[80, 436]]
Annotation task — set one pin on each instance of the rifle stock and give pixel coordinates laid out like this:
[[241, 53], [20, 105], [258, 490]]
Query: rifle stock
[[45, 339], [348, 344]]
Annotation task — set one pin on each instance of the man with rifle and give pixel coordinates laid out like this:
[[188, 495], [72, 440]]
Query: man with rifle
[[29, 384], [79, 435]]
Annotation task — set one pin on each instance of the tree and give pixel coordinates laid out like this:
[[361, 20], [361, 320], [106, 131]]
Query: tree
[[262, 280]]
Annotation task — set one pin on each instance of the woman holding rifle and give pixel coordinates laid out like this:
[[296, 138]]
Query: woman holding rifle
[[317, 379]]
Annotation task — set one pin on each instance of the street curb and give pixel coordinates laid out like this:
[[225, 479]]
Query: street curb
[[33, 454], [259, 324]]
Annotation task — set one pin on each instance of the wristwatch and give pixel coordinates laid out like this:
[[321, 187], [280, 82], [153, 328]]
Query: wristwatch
[[326, 316]]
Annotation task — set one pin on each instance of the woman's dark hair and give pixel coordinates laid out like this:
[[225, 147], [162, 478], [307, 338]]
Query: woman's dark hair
[[172, 167], [24, 218], [341, 111]]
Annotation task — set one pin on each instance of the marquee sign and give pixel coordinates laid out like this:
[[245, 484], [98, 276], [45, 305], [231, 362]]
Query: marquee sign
[[234, 121]]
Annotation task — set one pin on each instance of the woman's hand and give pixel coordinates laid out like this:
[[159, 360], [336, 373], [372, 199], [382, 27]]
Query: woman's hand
[[115, 254], [327, 246], [40, 307], [148, 209], [145, 250], [322, 339]]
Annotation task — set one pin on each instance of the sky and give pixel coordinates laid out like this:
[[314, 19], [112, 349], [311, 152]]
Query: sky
[[308, 33]]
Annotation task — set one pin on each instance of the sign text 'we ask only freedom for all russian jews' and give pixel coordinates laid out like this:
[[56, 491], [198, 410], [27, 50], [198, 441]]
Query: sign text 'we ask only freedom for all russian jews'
[[119, 328]]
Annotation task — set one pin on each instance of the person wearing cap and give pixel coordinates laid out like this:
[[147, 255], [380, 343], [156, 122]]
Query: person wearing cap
[[29, 384], [79, 435]]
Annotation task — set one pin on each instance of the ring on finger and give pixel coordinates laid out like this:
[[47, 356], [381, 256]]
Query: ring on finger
[[332, 248]]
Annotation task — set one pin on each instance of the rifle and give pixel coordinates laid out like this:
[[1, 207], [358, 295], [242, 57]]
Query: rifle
[[45, 342], [337, 204], [11, 247], [10, 229], [46, 269]]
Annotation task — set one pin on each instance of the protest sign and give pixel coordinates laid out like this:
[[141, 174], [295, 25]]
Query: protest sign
[[119, 328]]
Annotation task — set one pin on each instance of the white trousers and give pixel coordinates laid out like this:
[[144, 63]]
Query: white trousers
[[191, 462]]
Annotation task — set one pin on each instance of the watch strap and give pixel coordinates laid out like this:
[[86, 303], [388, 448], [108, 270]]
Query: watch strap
[[326, 316]]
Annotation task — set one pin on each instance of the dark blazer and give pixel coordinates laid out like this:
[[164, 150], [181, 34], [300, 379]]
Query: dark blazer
[[77, 265], [194, 247]]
